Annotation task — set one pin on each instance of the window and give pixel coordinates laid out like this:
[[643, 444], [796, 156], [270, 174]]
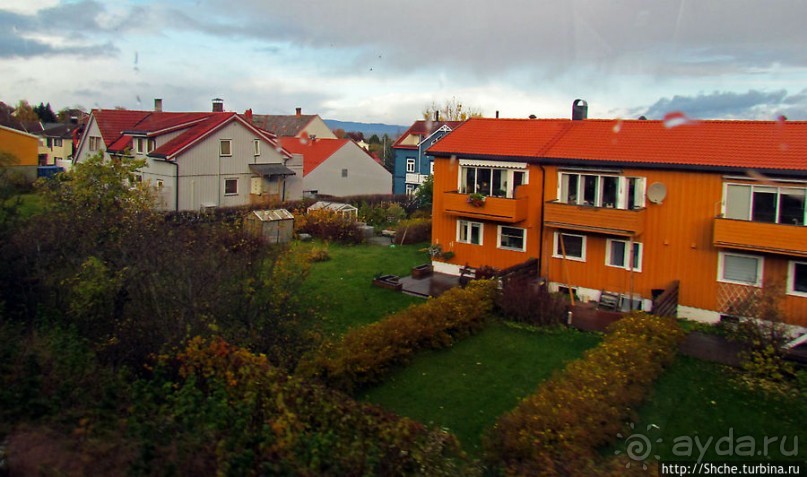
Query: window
[[410, 189], [140, 145], [512, 238], [95, 143], [601, 190], [570, 246], [469, 232], [410, 164], [740, 269], [57, 142], [431, 167], [797, 279], [152, 144], [257, 147], [344, 172], [160, 183], [230, 186], [490, 181], [226, 147], [779, 205], [617, 254]]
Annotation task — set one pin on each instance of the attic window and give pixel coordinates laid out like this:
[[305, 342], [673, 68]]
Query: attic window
[[152, 144], [257, 148], [344, 172], [226, 147]]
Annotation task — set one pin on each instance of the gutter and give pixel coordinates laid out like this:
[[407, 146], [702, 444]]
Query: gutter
[[541, 232]]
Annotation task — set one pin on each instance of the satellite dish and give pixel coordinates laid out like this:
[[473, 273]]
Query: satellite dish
[[656, 192]]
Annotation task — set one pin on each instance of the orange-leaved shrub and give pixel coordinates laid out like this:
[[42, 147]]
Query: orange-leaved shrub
[[217, 409], [556, 430], [328, 225], [364, 355]]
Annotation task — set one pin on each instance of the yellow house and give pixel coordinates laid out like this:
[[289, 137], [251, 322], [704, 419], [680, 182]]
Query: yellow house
[[23, 149]]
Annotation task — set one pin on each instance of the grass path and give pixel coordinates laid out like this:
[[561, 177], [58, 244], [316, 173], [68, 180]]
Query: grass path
[[465, 388]]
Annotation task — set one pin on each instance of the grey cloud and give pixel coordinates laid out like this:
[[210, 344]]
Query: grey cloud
[[729, 105]]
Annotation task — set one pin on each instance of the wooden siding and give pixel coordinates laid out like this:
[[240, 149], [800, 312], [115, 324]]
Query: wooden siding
[[497, 209], [444, 224], [594, 219], [364, 174], [22, 146], [761, 237]]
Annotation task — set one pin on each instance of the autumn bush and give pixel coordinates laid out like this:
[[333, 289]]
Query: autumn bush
[[558, 429], [364, 355], [218, 409], [413, 231], [523, 301], [328, 225]]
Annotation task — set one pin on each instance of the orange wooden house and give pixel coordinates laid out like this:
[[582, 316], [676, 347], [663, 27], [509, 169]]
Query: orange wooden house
[[628, 207]]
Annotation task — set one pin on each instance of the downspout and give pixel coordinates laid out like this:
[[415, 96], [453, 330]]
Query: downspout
[[176, 185], [541, 263]]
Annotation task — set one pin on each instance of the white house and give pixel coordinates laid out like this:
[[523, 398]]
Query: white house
[[338, 167], [197, 160]]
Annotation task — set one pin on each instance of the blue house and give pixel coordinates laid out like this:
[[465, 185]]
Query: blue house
[[412, 164]]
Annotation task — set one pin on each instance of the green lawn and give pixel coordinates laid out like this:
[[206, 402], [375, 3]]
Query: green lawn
[[30, 204], [465, 388], [343, 285], [698, 398]]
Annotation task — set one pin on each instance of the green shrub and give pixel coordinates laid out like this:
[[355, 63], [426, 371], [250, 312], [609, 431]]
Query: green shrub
[[366, 354], [414, 231], [557, 430]]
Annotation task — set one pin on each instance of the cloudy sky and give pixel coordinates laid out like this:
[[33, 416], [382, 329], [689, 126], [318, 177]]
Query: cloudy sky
[[384, 61]]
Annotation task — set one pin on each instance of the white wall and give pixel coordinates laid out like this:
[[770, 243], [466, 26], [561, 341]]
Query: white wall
[[364, 175]]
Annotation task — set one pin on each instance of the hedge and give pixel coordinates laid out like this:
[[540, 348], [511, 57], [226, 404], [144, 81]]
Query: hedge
[[364, 355], [557, 430], [217, 409]]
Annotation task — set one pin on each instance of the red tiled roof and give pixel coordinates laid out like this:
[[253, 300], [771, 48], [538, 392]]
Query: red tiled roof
[[314, 152], [500, 137], [117, 126], [423, 128], [282, 125], [765, 145]]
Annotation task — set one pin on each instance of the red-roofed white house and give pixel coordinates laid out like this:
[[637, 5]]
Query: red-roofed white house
[[197, 160], [338, 167], [705, 213]]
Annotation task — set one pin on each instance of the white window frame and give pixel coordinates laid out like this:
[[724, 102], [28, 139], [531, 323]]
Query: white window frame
[[229, 143], [257, 147], [410, 189], [431, 167], [507, 173], [622, 190], [500, 234], [468, 225], [637, 257], [791, 278], [721, 263], [230, 179], [95, 143], [151, 144], [779, 191], [410, 164], [556, 243]]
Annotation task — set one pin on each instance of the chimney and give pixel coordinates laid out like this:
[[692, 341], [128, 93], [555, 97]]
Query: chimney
[[497, 114], [299, 112], [158, 105], [248, 115], [218, 105], [579, 110]]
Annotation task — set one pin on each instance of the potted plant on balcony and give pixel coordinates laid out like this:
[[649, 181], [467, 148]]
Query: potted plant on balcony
[[476, 199]]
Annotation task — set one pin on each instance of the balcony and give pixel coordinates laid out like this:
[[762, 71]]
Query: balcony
[[760, 237], [412, 178], [586, 218], [498, 209]]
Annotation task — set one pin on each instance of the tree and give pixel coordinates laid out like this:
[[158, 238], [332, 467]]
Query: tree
[[339, 133], [424, 193], [24, 112], [45, 113], [451, 110]]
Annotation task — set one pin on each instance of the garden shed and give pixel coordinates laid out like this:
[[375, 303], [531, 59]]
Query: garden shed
[[346, 210], [276, 226]]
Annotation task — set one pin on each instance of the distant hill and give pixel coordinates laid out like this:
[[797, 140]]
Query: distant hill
[[368, 129]]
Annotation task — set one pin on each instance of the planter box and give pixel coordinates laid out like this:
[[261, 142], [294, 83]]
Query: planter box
[[389, 282], [422, 271]]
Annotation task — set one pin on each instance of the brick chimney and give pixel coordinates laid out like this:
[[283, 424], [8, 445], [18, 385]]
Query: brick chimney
[[218, 105], [299, 112], [158, 105], [248, 115]]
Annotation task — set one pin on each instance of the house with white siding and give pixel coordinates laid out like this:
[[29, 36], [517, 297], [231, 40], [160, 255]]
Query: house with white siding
[[337, 167], [197, 160]]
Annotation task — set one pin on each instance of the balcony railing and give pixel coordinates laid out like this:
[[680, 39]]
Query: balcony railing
[[760, 237], [595, 219], [498, 209], [413, 178]]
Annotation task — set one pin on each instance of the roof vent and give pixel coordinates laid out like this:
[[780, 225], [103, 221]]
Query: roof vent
[[579, 110]]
